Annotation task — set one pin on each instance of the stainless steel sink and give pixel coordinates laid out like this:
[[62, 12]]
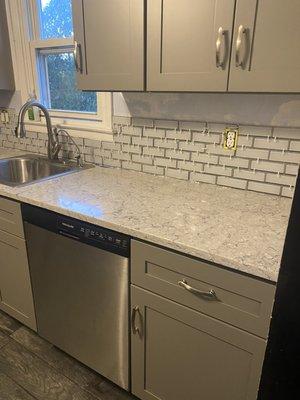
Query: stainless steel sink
[[29, 168]]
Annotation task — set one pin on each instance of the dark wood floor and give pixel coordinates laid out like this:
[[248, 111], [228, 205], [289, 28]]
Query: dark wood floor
[[33, 369]]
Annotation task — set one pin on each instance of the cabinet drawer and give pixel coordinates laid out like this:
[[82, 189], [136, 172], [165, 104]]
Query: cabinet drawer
[[15, 287], [11, 217], [239, 300]]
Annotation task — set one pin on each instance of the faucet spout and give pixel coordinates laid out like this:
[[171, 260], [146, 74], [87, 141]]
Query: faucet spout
[[53, 145]]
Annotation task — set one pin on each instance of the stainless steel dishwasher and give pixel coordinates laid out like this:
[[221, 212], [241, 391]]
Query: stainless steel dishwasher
[[80, 280]]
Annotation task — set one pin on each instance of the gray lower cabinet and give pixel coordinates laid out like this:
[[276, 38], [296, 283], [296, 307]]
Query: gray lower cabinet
[[188, 44], [16, 297], [265, 55], [178, 353], [109, 44]]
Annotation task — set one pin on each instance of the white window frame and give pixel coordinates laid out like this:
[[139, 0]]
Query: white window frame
[[24, 30]]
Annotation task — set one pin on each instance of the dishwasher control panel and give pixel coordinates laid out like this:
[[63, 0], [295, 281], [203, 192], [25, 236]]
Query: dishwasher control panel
[[92, 233], [81, 231]]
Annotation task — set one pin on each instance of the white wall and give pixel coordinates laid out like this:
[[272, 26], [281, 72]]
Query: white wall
[[252, 109]]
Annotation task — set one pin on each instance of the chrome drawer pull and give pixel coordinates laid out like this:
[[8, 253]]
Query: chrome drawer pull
[[135, 329], [242, 32], [78, 55], [221, 38], [208, 295]]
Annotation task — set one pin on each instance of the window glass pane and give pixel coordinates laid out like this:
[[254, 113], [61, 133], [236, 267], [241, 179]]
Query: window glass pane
[[62, 92], [55, 18]]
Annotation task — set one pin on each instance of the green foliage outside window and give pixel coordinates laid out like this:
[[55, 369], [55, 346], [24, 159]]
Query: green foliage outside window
[[56, 22]]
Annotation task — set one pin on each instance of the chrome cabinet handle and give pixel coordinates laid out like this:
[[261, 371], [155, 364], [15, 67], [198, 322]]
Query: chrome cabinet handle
[[208, 295], [220, 38], [78, 54], [135, 329], [239, 40]]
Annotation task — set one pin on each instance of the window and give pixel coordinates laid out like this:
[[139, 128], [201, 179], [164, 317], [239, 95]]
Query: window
[[49, 31]]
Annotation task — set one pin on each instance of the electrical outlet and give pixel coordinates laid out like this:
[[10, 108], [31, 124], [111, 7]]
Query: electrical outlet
[[231, 138]]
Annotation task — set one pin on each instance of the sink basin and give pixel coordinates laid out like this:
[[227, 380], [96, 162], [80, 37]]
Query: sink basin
[[21, 170]]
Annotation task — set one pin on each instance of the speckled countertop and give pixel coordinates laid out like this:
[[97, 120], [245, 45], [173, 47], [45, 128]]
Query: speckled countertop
[[239, 229]]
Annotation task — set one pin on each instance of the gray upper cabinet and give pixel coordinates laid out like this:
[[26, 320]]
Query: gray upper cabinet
[[6, 68], [178, 353], [191, 45], [266, 56], [109, 44], [188, 44]]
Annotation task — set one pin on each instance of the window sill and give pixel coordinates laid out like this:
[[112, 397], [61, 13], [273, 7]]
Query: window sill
[[86, 132]]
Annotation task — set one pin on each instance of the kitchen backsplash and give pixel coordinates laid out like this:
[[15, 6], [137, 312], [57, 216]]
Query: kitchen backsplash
[[266, 159]]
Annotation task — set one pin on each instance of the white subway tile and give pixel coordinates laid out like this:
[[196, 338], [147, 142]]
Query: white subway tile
[[142, 122], [281, 179], [190, 146], [234, 162], [205, 158], [118, 155], [190, 166], [153, 169], [142, 159], [255, 130], [131, 166], [123, 139], [165, 162], [231, 182], [207, 138], [264, 187], [119, 120], [127, 148], [206, 178], [295, 145], [267, 166], [132, 130], [245, 141], [179, 135], [219, 150], [292, 169], [252, 153], [165, 144], [166, 124], [176, 173], [287, 192], [178, 155], [142, 141], [102, 153], [153, 151], [287, 133], [249, 175], [272, 144], [287, 157], [110, 146], [217, 170], [154, 133]]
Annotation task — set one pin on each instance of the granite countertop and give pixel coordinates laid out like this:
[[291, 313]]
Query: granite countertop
[[241, 230]]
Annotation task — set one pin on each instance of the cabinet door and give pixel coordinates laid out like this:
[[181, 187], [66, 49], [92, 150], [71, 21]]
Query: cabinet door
[[6, 67], [266, 56], [179, 353], [110, 44], [15, 287], [183, 36]]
